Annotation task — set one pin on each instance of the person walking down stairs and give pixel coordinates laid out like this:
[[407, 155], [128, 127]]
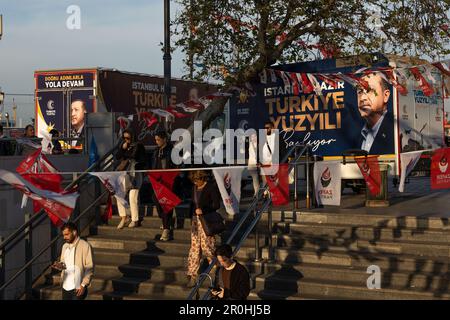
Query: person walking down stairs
[[206, 199], [130, 157], [162, 160], [76, 264]]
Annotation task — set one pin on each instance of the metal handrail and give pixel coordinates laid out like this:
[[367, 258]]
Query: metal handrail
[[53, 241], [243, 219], [27, 224]]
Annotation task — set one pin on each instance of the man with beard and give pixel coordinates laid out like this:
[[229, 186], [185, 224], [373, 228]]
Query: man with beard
[[377, 135], [76, 264]]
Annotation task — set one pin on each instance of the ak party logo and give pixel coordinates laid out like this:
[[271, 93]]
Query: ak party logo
[[325, 179], [443, 164], [366, 169]]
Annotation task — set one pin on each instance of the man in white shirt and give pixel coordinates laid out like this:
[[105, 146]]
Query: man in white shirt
[[76, 264]]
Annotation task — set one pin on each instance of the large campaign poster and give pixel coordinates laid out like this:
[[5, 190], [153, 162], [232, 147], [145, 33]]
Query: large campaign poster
[[338, 119], [62, 100], [132, 94], [421, 117]]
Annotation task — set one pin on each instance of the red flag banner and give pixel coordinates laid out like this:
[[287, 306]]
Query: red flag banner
[[278, 184], [440, 170], [27, 164], [370, 169], [107, 214], [57, 205], [162, 183], [423, 84]]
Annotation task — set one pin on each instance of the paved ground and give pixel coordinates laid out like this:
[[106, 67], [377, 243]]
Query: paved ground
[[417, 200]]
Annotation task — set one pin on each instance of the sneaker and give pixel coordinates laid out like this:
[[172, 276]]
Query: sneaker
[[192, 282], [122, 223], [133, 224], [165, 235]]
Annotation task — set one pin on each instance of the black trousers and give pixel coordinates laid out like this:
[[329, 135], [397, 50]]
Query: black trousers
[[167, 218], [72, 294]]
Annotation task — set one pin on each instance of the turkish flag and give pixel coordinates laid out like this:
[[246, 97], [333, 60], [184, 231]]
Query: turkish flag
[[370, 169], [278, 184], [108, 211], [162, 183], [39, 171], [59, 206], [440, 169]]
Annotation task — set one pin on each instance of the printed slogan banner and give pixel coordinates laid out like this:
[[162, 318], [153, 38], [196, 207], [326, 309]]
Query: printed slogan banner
[[162, 183], [370, 170], [56, 92], [328, 114], [327, 182], [229, 184], [440, 170]]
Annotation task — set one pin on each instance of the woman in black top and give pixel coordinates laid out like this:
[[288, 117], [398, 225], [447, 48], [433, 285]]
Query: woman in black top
[[130, 157], [206, 199], [162, 160]]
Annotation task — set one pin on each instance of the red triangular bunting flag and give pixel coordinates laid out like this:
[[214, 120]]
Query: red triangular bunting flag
[[370, 170]]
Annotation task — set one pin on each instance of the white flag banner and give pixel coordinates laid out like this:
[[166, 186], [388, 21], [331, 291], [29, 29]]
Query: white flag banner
[[162, 113], [229, 183], [327, 182], [116, 183], [408, 161], [58, 204], [47, 144]]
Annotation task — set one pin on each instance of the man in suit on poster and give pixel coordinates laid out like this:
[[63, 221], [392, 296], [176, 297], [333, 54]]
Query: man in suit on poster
[[377, 135]]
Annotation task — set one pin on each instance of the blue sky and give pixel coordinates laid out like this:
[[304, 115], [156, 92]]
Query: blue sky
[[114, 33]]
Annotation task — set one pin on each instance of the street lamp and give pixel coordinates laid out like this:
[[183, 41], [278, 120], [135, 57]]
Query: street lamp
[[7, 119], [166, 57]]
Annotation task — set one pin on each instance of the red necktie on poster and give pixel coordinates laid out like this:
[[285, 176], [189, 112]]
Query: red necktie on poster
[[440, 170], [370, 169], [279, 185], [162, 183]]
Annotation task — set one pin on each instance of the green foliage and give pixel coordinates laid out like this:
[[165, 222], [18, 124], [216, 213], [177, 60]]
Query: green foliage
[[233, 40]]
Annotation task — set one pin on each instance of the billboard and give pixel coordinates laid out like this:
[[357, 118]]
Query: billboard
[[62, 100], [421, 117], [132, 93], [339, 119]]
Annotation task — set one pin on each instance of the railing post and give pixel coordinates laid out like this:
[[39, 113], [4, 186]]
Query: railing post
[[308, 199], [269, 222], [257, 253], [54, 231], [28, 257], [295, 204], [2, 268]]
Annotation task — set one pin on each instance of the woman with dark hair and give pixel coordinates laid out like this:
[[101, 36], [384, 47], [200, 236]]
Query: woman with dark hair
[[206, 199], [130, 157], [162, 160]]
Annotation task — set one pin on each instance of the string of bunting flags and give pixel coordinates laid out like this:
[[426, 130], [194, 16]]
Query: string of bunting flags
[[398, 77]]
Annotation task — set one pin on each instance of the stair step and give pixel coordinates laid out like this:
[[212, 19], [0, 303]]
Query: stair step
[[344, 290], [434, 280], [366, 233], [295, 241], [355, 219], [359, 259]]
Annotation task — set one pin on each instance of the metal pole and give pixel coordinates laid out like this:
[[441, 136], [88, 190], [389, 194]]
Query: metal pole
[[2, 268], [269, 218], [257, 254], [308, 203], [167, 57], [28, 257], [295, 182]]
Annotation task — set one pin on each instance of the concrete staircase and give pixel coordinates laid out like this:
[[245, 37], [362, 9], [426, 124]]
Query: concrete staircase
[[316, 255]]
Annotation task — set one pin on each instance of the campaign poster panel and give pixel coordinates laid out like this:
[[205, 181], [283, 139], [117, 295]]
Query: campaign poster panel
[[338, 119]]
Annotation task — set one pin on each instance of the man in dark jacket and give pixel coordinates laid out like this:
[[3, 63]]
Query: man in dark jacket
[[5, 146], [233, 279]]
